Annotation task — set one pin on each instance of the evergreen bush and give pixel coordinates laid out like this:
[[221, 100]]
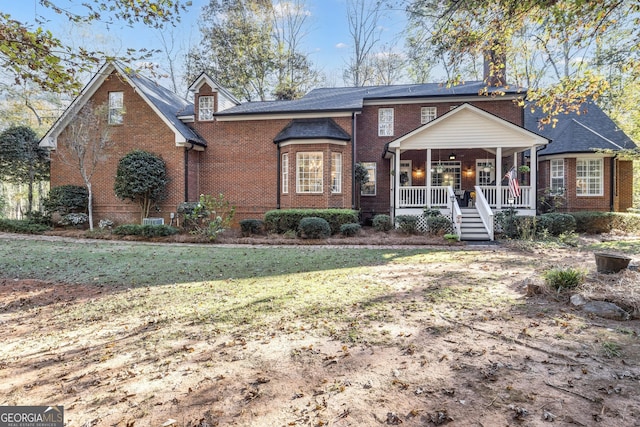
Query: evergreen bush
[[249, 227], [350, 230], [556, 223], [281, 220], [408, 224], [314, 228], [382, 222], [66, 199]]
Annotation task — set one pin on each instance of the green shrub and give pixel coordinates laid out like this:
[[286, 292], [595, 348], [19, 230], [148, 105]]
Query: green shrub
[[75, 219], [431, 212], [604, 222], [36, 217], [210, 216], [66, 199], [382, 222], [145, 230], [567, 278], [314, 228], [251, 226], [350, 230], [22, 226], [407, 224], [281, 220], [438, 225], [556, 223]]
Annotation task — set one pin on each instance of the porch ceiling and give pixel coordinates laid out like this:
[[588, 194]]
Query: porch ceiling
[[468, 127]]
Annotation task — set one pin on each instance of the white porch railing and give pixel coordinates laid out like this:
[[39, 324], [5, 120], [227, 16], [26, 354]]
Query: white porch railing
[[456, 213], [416, 197], [489, 192], [486, 214]]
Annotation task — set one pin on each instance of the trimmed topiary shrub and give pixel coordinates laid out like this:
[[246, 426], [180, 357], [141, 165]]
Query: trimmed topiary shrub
[[350, 230], [556, 223], [251, 226], [382, 222], [281, 220], [66, 199], [314, 228], [408, 224], [438, 225]]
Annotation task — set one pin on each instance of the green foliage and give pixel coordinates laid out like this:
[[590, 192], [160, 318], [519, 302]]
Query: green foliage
[[605, 222], [74, 219], [314, 228], [210, 216], [451, 237], [551, 201], [408, 224], [281, 220], [360, 174], [556, 223], [251, 226], [350, 230], [22, 226], [145, 230], [382, 222], [66, 199], [563, 278], [431, 212], [438, 225], [142, 178], [36, 217]]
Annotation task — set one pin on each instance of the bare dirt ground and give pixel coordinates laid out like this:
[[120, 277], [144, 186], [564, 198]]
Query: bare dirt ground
[[430, 356]]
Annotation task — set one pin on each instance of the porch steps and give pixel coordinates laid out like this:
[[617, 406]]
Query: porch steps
[[472, 227]]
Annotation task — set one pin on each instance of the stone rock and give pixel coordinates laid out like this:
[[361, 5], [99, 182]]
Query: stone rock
[[578, 300], [607, 310]]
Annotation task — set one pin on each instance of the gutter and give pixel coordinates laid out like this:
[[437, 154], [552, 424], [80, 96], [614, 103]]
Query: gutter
[[278, 176], [612, 183], [186, 171]]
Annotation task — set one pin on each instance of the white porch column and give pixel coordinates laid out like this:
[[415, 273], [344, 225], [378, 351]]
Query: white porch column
[[396, 181], [533, 177], [427, 183], [499, 177]]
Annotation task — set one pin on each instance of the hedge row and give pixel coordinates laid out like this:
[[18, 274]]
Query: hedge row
[[282, 220], [22, 226], [145, 230], [604, 222]]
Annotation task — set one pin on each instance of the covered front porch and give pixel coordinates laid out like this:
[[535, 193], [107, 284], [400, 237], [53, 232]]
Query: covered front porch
[[460, 164]]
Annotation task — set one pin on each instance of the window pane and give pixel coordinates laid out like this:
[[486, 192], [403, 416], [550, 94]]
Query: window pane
[[427, 114], [285, 173], [336, 172], [385, 122], [557, 176], [369, 187], [446, 174], [589, 177], [116, 107], [309, 173], [205, 108]]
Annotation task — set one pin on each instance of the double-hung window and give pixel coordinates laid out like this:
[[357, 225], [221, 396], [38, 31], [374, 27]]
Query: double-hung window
[[309, 172], [116, 107], [285, 172], [205, 108], [589, 176], [369, 187], [556, 179], [336, 172], [385, 122], [427, 114]]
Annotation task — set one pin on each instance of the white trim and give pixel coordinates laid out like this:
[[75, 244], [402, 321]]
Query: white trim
[[282, 116], [214, 85], [575, 155], [312, 141], [438, 99]]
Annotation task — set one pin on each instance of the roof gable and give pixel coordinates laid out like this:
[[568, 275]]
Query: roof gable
[[163, 102], [214, 85], [468, 127]]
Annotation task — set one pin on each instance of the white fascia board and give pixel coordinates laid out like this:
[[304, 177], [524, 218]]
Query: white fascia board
[[190, 146], [50, 139], [285, 116], [574, 155], [439, 99], [215, 86], [312, 141]]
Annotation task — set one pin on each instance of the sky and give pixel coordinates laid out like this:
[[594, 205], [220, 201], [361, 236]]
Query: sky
[[327, 41]]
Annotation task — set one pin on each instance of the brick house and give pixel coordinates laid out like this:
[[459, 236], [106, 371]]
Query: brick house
[[423, 145]]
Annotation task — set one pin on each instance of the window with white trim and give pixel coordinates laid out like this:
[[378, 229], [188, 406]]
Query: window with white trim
[[285, 172], [446, 174], [385, 122], [589, 177], [309, 172], [205, 108], [427, 114], [556, 177], [116, 107], [336, 172], [369, 187]]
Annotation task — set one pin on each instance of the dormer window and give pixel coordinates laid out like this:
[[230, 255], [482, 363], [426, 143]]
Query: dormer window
[[205, 108], [116, 108]]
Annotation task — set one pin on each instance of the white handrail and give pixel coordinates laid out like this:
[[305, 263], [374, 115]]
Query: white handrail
[[486, 214], [456, 213]]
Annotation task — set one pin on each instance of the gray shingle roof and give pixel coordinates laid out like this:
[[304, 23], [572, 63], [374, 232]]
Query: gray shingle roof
[[312, 129], [352, 98], [169, 105], [590, 130]]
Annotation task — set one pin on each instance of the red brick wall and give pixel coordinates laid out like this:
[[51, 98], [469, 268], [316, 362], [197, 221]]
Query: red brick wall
[[370, 146], [624, 183], [141, 129]]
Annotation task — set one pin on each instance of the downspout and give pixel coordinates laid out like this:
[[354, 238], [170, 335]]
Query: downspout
[[186, 171], [612, 183], [353, 160], [278, 171]]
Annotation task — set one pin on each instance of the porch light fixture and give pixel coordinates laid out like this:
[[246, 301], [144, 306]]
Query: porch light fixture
[[452, 156], [418, 173]]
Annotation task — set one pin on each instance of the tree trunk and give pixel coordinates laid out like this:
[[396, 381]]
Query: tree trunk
[[90, 207]]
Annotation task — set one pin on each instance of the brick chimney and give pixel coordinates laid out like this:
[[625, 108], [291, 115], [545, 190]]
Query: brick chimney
[[495, 69]]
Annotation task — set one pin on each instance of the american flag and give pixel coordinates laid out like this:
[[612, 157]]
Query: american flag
[[514, 188]]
